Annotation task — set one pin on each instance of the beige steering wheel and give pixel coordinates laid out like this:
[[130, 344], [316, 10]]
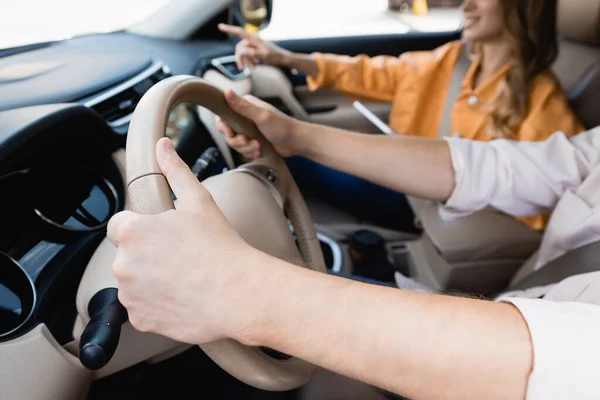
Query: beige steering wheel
[[149, 193]]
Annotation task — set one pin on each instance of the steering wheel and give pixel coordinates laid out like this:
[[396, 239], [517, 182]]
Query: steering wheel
[[149, 193]]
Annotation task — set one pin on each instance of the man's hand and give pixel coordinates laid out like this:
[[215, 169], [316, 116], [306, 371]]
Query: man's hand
[[186, 274], [252, 49], [183, 273], [277, 127]]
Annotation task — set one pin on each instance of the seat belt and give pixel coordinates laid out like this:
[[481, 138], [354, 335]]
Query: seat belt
[[580, 261], [458, 76]]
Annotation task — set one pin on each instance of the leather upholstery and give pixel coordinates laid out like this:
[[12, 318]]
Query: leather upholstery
[[578, 20], [578, 70], [488, 235], [578, 63], [455, 239]]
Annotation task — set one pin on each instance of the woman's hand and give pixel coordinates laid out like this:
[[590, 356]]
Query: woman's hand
[[194, 241], [277, 127], [252, 49]]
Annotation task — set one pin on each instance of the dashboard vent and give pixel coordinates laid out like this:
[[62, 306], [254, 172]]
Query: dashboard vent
[[117, 104]]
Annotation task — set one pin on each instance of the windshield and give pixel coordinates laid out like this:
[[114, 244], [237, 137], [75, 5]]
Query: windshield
[[25, 22]]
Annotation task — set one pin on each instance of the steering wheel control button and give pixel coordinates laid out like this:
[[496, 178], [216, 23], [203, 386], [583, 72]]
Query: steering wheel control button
[[271, 175], [101, 336], [265, 175]]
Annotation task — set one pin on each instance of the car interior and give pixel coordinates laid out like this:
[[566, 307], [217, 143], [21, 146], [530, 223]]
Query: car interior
[[79, 119]]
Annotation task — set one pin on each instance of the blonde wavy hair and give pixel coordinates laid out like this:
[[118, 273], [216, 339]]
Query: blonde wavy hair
[[530, 27]]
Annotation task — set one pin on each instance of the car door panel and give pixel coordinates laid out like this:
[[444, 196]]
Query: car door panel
[[371, 45], [339, 110]]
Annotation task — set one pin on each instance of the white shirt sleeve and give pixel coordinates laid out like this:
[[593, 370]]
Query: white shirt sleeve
[[566, 349], [518, 178]]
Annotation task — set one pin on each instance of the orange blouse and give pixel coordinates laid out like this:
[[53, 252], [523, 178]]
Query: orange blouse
[[417, 83]]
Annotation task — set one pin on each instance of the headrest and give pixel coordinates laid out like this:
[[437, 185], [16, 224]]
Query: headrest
[[579, 20]]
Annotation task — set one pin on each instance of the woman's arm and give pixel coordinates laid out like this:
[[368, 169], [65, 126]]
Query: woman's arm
[[418, 166], [363, 77], [368, 78], [252, 49], [518, 178]]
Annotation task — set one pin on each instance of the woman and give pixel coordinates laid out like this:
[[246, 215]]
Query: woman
[[508, 92]]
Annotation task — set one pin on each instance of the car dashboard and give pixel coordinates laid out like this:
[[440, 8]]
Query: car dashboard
[[63, 130], [60, 187]]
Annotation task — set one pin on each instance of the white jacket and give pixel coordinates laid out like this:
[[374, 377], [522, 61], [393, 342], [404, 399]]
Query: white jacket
[[524, 178], [531, 178]]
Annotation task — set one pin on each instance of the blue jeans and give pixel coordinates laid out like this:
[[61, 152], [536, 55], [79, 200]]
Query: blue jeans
[[365, 200]]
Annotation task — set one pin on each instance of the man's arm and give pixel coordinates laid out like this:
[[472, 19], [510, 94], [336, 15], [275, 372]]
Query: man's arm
[[417, 345], [215, 285]]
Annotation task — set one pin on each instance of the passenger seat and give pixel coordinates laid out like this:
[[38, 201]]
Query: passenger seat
[[481, 252], [578, 70], [578, 63]]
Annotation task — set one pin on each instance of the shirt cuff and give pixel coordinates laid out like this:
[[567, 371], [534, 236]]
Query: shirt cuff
[[455, 207], [474, 178], [566, 350], [326, 74]]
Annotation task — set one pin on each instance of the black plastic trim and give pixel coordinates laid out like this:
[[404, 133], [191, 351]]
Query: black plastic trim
[[372, 45], [40, 124]]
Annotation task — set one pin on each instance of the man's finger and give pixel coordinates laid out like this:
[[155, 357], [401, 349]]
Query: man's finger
[[183, 182], [113, 230]]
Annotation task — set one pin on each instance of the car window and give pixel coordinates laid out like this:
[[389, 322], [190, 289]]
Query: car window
[[24, 22], [303, 19]]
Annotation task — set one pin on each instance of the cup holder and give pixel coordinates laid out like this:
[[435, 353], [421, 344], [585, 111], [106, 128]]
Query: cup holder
[[332, 252], [17, 296]]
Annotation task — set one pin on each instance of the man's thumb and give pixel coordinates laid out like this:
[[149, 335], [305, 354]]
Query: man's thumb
[[183, 182]]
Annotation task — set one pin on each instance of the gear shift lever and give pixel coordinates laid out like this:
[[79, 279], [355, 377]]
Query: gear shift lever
[[100, 337]]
